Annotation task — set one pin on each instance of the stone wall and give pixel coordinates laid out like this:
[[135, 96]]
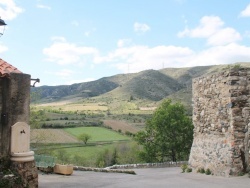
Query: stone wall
[[221, 107], [28, 173]]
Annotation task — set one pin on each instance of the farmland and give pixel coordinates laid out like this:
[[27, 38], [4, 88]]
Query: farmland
[[98, 134], [110, 125], [51, 136], [64, 145], [120, 125]]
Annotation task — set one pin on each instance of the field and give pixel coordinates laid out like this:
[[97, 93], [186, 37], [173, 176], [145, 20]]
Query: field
[[73, 107], [98, 134], [107, 124], [51, 136], [63, 143], [120, 125]]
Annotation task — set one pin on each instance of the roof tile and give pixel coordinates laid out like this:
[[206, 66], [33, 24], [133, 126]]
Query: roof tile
[[6, 69]]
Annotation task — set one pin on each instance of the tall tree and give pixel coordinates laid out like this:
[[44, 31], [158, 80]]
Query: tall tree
[[168, 134]]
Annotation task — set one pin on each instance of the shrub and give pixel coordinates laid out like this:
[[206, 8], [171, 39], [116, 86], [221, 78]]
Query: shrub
[[241, 173], [184, 167], [201, 170], [208, 171], [189, 170]]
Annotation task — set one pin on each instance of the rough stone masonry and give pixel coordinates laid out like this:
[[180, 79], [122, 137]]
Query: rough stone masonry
[[221, 108]]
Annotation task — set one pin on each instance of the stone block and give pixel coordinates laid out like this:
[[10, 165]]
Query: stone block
[[20, 137], [63, 169]]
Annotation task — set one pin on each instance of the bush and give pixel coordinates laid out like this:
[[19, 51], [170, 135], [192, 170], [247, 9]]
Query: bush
[[201, 170], [189, 170], [208, 171], [241, 173], [184, 167]]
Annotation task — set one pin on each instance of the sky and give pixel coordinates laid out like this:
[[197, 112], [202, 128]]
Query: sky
[[62, 42]]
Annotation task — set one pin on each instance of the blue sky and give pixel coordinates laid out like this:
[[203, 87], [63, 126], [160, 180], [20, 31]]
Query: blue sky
[[65, 42]]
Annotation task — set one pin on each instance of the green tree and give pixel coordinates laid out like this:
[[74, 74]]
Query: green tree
[[84, 137], [168, 134], [36, 118]]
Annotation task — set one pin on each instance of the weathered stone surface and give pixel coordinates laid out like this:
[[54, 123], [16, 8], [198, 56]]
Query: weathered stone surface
[[221, 109], [28, 173]]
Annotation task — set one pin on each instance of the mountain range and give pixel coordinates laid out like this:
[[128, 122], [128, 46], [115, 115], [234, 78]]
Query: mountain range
[[148, 85]]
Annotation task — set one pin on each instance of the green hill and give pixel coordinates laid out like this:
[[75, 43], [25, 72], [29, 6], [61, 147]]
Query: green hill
[[144, 88]]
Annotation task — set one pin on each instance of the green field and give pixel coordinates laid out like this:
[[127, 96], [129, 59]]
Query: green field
[[98, 134]]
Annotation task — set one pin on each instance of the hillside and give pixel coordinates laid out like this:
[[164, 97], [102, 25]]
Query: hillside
[[149, 85]]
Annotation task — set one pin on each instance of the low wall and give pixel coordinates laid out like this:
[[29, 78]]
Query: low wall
[[115, 168], [149, 165]]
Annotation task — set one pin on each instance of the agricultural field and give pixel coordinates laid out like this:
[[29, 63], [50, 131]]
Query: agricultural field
[[98, 134], [73, 107], [62, 122], [120, 125], [64, 145], [51, 136]]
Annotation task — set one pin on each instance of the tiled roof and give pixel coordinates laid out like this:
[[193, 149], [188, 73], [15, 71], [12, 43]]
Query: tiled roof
[[6, 69]]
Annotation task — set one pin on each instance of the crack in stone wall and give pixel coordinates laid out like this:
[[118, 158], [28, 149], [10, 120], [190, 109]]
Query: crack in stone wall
[[221, 108]]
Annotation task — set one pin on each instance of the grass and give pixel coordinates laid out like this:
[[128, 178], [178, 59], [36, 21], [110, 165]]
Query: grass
[[98, 134], [83, 107], [51, 136], [87, 153]]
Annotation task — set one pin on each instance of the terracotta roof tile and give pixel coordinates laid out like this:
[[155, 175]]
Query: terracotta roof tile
[[6, 69]]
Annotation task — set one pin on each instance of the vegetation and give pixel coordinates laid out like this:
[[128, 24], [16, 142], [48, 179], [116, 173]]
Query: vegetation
[[208, 171], [168, 134], [112, 110], [201, 170], [98, 134], [184, 167], [189, 170], [84, 137]]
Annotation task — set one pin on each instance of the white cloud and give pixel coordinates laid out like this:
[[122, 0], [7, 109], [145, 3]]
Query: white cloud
[[246, 11], [65, 53], [227, 54], [224, 36], [3, 48], [212, 28], [141, 27], [43, 6], [123, 42], [207, 27], [142, 57], [9, 10], [138, 58]]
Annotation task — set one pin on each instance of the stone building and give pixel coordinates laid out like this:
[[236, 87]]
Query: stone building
[[221, 108], [14, 129]]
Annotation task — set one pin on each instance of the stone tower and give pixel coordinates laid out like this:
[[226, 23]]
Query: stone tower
[[221, 107]]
